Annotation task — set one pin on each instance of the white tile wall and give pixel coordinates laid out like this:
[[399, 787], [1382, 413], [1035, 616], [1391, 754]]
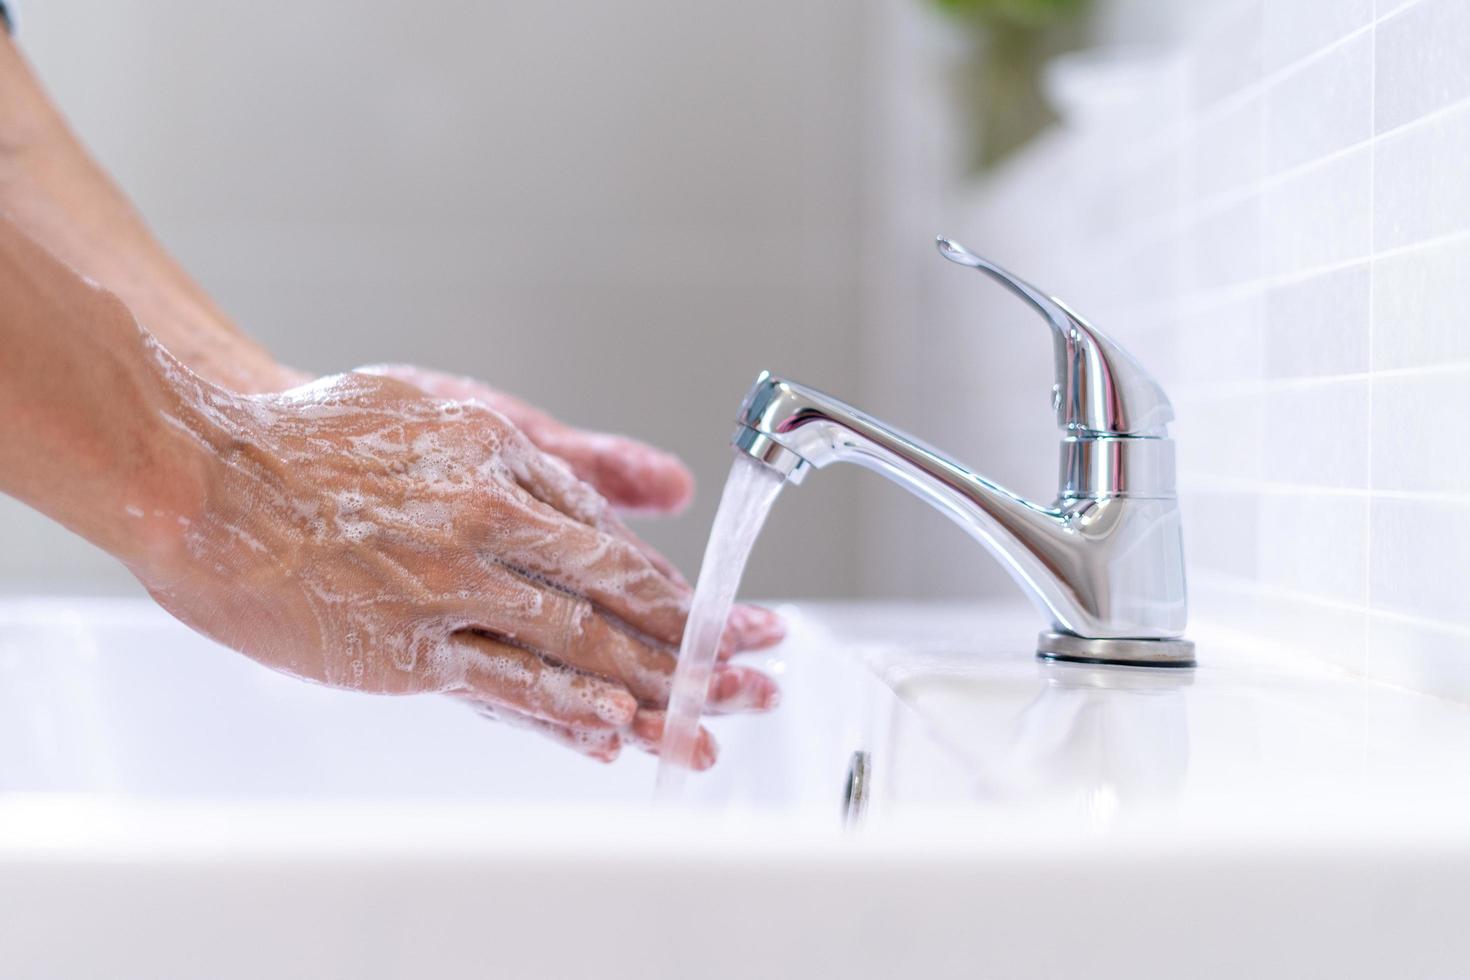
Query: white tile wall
[[1319, 215], [1294, 29], [1317, 326], [1419, 306], [1419, 185], [1423, 56], [1322, 107], [1316, 340]]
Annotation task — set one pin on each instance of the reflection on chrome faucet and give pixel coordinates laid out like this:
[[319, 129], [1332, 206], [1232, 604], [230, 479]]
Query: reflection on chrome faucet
[[1105, 561]]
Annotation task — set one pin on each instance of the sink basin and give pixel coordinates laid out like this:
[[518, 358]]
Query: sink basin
[[115, 698], [169, 809]]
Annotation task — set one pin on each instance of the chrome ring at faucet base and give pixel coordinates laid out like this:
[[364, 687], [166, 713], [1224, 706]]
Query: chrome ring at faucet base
[[1052, 645]]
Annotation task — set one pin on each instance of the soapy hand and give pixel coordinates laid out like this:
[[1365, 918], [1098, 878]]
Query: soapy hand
[[353, 531], [631, 475], [359, 533]]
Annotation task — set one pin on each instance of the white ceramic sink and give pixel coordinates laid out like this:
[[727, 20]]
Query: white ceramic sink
[[168, 809], [114, 698]]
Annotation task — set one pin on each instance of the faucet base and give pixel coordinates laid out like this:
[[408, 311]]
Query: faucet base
[[1053, 645]]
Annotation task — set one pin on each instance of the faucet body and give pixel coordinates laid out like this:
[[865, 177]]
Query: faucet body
[[1104, 561]]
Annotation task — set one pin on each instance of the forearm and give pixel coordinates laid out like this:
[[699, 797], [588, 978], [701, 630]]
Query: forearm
[[58, 195], [84, 396]]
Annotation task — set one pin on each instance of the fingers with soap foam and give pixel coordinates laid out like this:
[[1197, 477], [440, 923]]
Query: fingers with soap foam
[[572, 631], [751, 628], [613, 525], [518, 679], [561, 704], [629, 473], [602, 746], [589, 562], [597, 744], [740, 689], [647, 734]]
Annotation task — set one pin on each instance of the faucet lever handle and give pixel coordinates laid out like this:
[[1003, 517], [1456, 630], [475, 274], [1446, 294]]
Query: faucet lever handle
[[1100, 388]]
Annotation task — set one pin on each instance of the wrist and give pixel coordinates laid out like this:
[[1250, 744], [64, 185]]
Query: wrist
[[90, 401], [164, 472]]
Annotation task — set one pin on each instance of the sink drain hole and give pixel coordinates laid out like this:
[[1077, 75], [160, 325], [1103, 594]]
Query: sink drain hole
[[855, 796]]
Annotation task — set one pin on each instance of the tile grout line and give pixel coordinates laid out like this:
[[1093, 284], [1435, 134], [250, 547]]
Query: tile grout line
[[1209, 297], [1180, 134], [1392, 12], [1198, 116], [1255, 590], [1423, 622], [1205, 484], [1204, 393], [1235, 584], [1231, 101], [1223, 200]]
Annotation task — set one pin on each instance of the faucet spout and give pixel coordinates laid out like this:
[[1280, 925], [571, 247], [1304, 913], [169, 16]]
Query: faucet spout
[[1100, 568]]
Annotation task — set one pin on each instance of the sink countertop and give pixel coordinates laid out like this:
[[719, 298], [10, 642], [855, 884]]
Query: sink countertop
[[1256, 743], [1262, 815]]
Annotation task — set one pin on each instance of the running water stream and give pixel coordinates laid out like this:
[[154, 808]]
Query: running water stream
[[750, 490]]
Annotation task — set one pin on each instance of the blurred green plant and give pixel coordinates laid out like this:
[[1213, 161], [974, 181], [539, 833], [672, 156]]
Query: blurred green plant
[[999, 87], [1036, 13]]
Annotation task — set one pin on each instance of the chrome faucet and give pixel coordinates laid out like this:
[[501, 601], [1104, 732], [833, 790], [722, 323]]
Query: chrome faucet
[[1104, 562]]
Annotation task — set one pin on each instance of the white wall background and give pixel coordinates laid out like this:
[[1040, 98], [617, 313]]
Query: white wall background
[[622, 211]]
